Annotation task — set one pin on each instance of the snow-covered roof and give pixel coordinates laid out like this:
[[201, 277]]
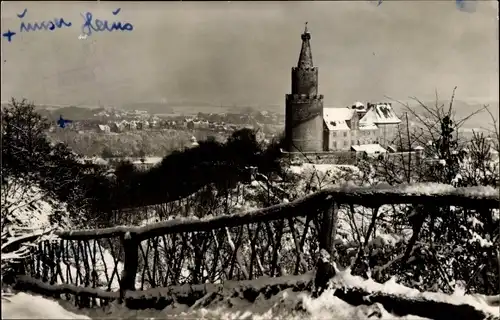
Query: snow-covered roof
[[418, 148], [335, 118], [381, 113], [369, 148]]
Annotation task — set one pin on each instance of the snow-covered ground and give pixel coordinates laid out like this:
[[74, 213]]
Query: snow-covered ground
[[28, 306], [286, 304], [281, 306], [323, 168]]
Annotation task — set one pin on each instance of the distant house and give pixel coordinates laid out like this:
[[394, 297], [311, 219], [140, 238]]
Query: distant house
[[104, 128], [147, 162]]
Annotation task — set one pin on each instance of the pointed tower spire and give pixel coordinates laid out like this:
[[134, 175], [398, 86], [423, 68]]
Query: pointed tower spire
[[305, 58]]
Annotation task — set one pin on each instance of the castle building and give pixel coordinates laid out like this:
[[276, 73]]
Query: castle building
[[375, 123], [304, 106], [311, 128]]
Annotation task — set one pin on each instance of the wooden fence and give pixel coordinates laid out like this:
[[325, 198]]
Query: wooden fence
[[280, 240]]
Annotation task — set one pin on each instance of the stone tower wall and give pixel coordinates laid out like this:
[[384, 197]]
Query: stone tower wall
[[304, 122]]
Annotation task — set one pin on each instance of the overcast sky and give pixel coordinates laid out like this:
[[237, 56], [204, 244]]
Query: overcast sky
[[241, 52]]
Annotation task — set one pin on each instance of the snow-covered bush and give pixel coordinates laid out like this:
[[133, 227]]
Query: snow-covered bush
[[28, 214], [454, 244]]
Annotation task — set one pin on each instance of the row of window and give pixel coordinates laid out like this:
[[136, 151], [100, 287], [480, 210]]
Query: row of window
[[353, 143], [363, 133]]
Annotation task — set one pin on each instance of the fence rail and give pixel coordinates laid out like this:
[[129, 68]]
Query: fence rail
[[284, 239]]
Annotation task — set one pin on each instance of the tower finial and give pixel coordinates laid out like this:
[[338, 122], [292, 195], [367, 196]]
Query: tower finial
[[305, 58]]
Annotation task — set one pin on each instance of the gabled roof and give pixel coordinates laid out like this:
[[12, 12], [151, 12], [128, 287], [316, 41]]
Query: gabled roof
[[335, 118], [381, 113]]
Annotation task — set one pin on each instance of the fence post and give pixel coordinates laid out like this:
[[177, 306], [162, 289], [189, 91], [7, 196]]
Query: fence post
[[130, 265], [329, 226]]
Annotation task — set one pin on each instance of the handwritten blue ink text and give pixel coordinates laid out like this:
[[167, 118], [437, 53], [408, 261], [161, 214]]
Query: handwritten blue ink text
[[89, 25], [58, 23]]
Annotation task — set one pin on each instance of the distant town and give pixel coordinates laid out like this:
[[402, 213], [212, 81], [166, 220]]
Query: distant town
[[111, 120]]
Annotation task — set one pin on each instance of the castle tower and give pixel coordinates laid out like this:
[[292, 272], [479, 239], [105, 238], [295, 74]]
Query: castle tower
[[304, 107]]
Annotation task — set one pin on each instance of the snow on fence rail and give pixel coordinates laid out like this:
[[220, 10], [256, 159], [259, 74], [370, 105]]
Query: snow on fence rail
[[279, 240]]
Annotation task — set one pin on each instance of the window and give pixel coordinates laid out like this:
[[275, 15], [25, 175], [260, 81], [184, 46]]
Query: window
[[345, 133], [353, 142], [345, 143], [334, 144], [334, 134]]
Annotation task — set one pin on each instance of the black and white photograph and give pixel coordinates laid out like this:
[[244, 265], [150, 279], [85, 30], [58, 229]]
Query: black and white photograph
[[250, 160]]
